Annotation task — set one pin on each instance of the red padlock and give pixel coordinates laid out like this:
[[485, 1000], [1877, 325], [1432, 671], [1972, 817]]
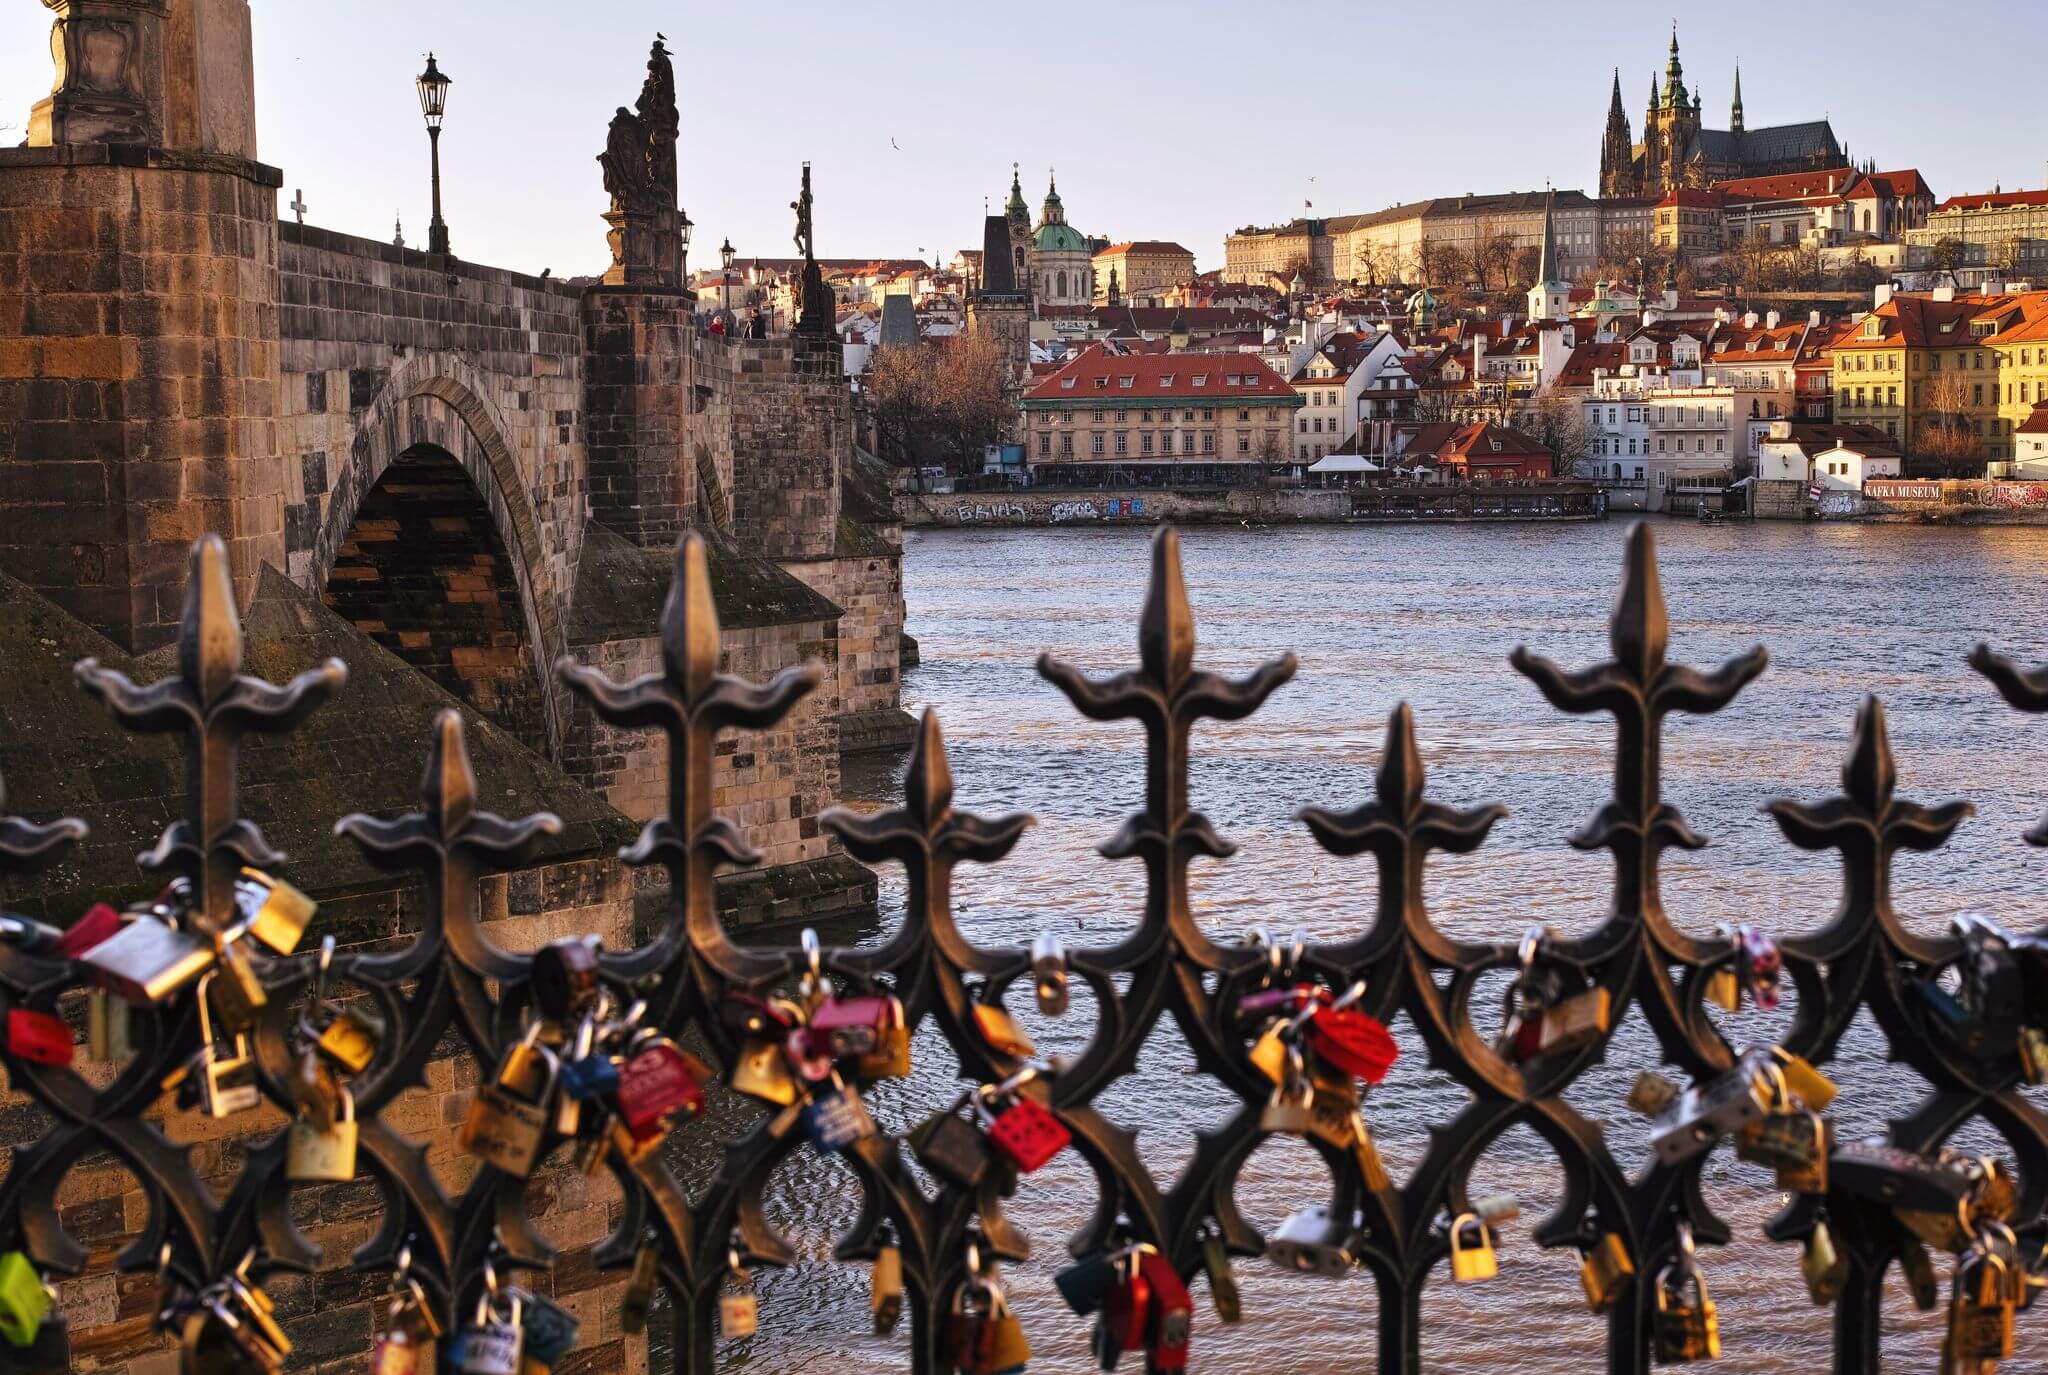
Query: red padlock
[[1027, 1133], [1353, 1043], [1126, 1315], [38, 1037], [1173, 1313], [99, 922], [845, 1027], [658, 1079]]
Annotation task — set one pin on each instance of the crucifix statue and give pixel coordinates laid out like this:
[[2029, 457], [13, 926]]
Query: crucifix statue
[[298, 204], [802, 206]]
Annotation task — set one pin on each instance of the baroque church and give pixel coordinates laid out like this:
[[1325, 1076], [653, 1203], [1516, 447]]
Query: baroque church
[[1054, 261], [1676, 151]]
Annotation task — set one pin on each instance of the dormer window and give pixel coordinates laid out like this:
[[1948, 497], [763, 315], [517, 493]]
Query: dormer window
[[1201, 379], [1166, 381], [1067, 383], [1126, 382], [1873, 328], [1102, 384]]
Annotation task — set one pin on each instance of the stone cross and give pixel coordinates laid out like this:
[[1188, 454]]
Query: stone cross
[[298, 203]]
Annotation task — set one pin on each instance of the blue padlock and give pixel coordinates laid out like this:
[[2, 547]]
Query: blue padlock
[[836, 1119], [549, 1329], [593, 1076]]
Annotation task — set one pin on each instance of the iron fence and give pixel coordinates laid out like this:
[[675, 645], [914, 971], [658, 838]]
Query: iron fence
[[692, 974]]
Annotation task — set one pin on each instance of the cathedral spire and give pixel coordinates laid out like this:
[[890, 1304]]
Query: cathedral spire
[[1674, 73], [1018, 212], [1735, 113]]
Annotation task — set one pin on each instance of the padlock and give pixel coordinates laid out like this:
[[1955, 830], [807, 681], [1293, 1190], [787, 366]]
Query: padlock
[[1723, 988], [316, 1088], [739, 1314], [1087, 1284], [277, 913], [1948, 1231], [659, 1078], [1686, 1325], [1024, 1130], [1292, 1108], [1825, 1271], [238, 994], [1803, 1081], [1703, 1115], [24, 1300], [563, 978], [1898, 1178], [1372, 1171], [1916, 1267], [227, 1082], [547, 1331], [842, 1028], [1575, 1022], [1760, 965], [1000, 1344], [2033, 1044], [106, 1026], [1269, 1052], [638, 1300], [348, 1040], [1313, 1242], [1352, 1042], [952, 1147], [1172, 1318], [1793, 1143], [1331, 1114], [592, 1077], [1125, 1316], [836, 1119], [885, 1290], [256, 1313], [1980, 1322], [1223, 1294], [147, 961], [394, 1352], [38, 1037], [1049, 974], [1652, 1093], [1604, 1267], [99, 922], [312, 1153], [1472, 1254], [493, 1342], [504, 1128], [999, 1030], [760, 1070]]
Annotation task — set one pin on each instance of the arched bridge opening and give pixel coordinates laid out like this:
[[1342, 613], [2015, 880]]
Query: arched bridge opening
[[424, 573]]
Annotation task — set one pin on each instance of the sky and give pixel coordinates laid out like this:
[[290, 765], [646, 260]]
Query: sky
[[1163, 120]]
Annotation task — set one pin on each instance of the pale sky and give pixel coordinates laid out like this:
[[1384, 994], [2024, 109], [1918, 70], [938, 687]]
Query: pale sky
[[1164, 120]]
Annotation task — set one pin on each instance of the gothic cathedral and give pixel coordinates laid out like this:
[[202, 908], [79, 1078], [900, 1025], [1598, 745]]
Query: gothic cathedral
[[1676, 151]]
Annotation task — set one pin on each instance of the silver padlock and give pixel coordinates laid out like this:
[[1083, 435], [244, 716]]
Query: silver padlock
[[1704, 1114], [1312, 1242], [148, 960], [1049, 973], [227, 1083], [492, 1345]]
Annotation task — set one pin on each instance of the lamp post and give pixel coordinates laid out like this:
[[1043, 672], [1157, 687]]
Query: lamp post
[[725, 257], [683, 227], [433, 101]]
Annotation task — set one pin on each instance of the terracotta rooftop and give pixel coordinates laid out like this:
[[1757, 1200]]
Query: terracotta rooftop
[[1097, 374]]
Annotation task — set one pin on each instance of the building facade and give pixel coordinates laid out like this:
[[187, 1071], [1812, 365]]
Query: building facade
[[1142, 265], [1197, 413], [1062, 268], [2004, 229]]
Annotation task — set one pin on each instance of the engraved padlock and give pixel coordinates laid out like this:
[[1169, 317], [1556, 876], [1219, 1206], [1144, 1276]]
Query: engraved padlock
[[952, 1147], [148, 960], [312, 1153], [1313, 1242], [238, 993], [508, 1119], [493, 1342], [1703, 1115]]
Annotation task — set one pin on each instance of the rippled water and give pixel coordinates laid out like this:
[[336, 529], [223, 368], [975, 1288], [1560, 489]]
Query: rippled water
[[1381, 615]]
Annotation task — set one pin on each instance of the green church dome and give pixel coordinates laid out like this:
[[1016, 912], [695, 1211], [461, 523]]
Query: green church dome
[[1059, 238]]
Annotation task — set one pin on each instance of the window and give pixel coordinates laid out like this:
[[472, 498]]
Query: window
[[1126, 383], [1720, 445], [1123, 442], [1145, 442], [1066, 446], [1187, 441], [1208, 412], [1102, 384], [1201, 379], [1977, 395], [1045, 446], [1318, 426], [1244, 414], [1891, 395], [1208, 442], [1244, 444], [1067, 383], [1098, 415], [1045, 417], [1187, 417], [1095, 443], [1066, 417], [1166, 381]]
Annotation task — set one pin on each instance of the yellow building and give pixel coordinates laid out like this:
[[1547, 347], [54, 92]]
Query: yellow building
[[1140, 266], [1917, 357]]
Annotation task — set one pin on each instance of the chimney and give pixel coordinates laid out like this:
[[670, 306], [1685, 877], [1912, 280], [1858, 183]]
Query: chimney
[[1770, 318], [1945, 292], [1749, 319], [1813, 319], [1881, 293]]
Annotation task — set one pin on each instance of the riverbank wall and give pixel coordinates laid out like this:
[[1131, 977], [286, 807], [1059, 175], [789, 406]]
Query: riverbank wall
[[1554, 501]]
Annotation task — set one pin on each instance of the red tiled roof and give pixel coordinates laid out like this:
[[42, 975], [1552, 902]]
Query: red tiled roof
[[1098, 374], [1994, 200], [1483, 442], [1791, 185], [2036, 421], [1578, 369], [1144, 246], [1812, 437], [1687, 195]]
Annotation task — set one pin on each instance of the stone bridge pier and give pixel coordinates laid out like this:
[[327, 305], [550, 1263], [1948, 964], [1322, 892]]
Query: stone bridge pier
[[477, 470]]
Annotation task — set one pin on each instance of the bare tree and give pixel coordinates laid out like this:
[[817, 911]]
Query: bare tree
[[940, 402], [1558, 423], [1947, 255], [1495, 254], [1945, 442]]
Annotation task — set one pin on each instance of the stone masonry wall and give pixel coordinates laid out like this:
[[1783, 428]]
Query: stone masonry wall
[[138, 376], [868, 589], [791, 418], [642, 478], [328, 1314]]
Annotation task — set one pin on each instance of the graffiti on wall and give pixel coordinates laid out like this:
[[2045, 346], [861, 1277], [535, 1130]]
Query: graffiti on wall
[[970, 513]]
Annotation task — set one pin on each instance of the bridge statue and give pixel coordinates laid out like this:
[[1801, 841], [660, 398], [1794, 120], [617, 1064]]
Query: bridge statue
[[639, 165]]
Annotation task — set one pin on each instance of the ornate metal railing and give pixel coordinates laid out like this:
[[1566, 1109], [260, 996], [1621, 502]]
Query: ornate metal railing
[[693, 973]]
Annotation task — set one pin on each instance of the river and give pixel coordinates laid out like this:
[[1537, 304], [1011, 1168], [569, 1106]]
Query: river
[[1379, 615]]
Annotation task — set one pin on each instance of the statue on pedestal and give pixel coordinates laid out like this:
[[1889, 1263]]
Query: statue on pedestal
[[815, 314], [639, 165]]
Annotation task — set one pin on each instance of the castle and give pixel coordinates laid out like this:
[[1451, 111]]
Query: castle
[[1676, 151]]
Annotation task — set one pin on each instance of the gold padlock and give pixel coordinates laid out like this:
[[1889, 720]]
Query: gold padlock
[[1804, 1082], [761, 1071], [148, 960], [238, 994], [106, 1026], [1575, 1022], [1980, 1319], [885, 1290], [1269, 1053], [1652, 1093], [1603, 1269], [347, 1041], [890, 1059], [227, 1082], [1723, 989], [1000, 1030], [1371, 1169], [311, 1153], [1472, 1260], [1825, 1271], [507, 1122], [2034, 1054], [1686, 1328], [281, 911]]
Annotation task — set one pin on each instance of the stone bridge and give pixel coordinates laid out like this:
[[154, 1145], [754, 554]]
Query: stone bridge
[[480, 470]]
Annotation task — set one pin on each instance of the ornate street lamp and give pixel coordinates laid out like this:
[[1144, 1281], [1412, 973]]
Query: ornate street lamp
[[685, 227], [433, 102], [725, 256]]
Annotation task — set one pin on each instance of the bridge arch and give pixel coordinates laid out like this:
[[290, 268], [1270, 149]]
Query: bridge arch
[[432, 545]]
